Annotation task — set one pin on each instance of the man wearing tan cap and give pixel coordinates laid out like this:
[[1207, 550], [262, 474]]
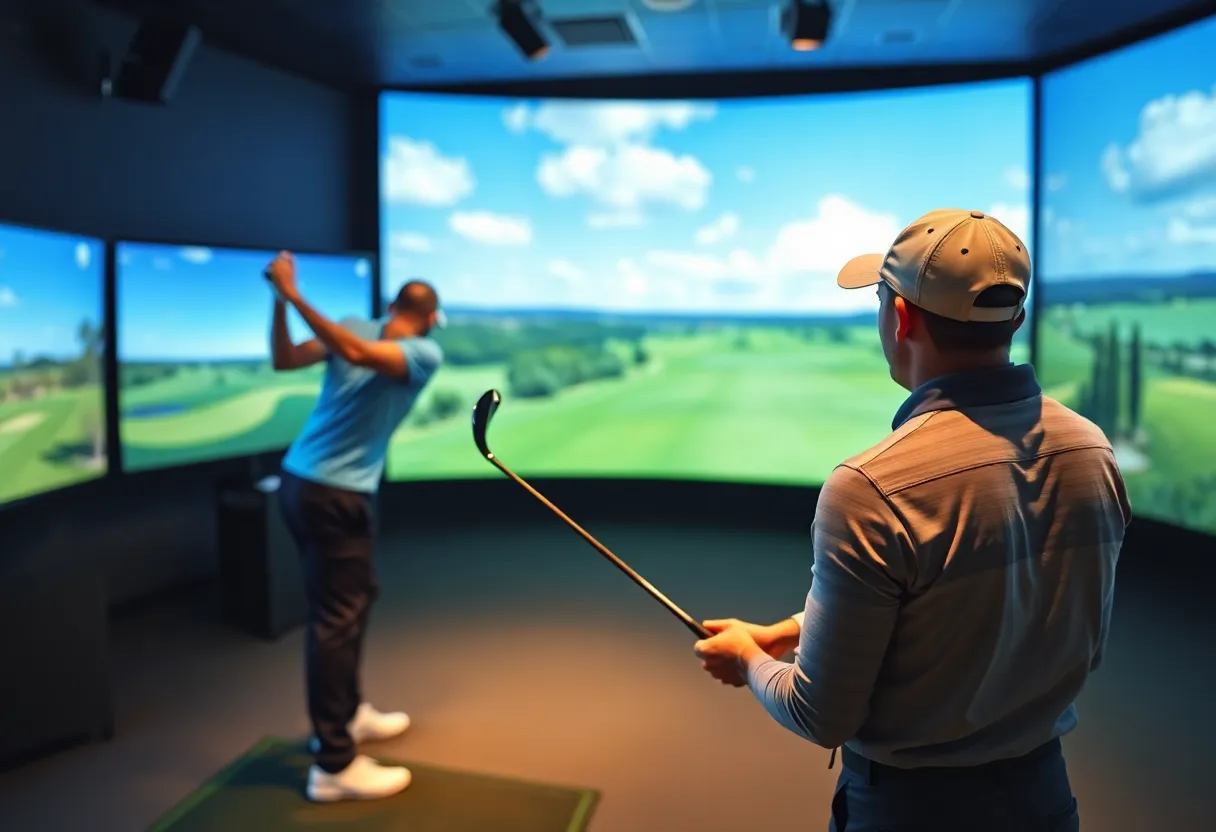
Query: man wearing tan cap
[[964, 566]]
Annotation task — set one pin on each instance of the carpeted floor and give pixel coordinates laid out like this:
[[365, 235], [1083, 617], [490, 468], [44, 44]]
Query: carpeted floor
[[519, 652], [264, 790]]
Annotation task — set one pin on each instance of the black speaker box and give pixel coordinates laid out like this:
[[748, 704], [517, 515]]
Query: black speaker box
[[261, 581], [156, 61]]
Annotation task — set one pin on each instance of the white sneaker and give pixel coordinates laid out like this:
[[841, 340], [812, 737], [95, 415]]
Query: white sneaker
[[363, 779], [369, 725]]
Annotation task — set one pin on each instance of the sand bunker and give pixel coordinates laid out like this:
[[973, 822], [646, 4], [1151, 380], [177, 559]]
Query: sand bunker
[[22, 423]]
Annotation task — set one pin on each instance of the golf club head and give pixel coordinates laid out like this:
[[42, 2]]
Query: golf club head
[[483, 412]]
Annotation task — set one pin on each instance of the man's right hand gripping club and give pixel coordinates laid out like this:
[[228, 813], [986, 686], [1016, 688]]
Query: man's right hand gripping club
[[776, 640]]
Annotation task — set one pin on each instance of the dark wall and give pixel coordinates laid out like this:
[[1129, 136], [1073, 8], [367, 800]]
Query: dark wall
[[243, 155]]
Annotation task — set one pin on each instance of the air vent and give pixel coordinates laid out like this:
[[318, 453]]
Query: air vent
[[593, 31]]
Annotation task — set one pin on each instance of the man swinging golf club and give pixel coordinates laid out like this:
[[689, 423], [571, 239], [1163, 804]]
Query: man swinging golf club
[[964, 567], [374, 372]]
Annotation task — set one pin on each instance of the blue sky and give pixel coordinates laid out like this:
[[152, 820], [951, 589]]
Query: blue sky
[[196, 304], [684, 206], [49, 284], [1129, 160]]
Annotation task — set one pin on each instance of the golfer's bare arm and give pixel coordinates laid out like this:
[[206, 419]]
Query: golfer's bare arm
[[385, 357], [284, 353]]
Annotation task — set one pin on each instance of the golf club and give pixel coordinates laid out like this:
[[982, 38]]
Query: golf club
[[483, 412]]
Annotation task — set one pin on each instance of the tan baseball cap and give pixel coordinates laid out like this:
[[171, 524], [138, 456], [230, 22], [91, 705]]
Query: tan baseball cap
[[942, 261]]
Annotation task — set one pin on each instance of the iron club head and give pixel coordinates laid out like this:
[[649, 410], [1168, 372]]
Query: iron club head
[[483, 412]]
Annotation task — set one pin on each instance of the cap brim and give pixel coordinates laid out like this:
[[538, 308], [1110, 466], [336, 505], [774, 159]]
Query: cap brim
[[861, 272]]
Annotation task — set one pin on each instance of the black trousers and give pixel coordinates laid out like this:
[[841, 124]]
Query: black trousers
[[1027, 794], [333, 530]]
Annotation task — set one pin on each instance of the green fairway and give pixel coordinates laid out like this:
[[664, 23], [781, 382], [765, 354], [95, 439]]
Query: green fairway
[[50, 440], [183, 414], [1167, 454], [1185, 320], [758, 405]]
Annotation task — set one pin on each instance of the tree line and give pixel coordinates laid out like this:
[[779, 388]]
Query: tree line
[[30, 377], [542, 358]]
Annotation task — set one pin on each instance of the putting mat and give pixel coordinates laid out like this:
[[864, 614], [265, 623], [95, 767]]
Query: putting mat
[[263, 791]]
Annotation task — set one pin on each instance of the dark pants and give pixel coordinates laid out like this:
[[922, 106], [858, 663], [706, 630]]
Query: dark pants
[[333, 531], [1028, 794]]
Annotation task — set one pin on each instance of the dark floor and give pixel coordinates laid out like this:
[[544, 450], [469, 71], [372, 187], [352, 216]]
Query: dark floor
[[522, 652]]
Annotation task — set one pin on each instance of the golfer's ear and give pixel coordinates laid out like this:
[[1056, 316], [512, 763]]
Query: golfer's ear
[[905, 318]]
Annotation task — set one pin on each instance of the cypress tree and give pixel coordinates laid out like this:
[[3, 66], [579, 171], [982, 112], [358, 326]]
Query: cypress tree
[[1135, 381], [1114, 369], [1097, 389]]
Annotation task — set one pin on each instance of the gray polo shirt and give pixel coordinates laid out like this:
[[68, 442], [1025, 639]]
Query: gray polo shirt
[[963, 580]]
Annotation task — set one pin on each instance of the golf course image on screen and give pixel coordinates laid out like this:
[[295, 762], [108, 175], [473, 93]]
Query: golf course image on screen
[[651, 284], [194, 372], [52, 395], [1127, 294]]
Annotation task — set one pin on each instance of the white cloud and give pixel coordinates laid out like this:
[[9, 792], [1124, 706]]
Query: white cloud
[[1056, 182], [633, 280], [839, 231], [746, 175], [621, 218], [196, 255], [1174, 149], [362, 268], [1118, 178], [1014, 217], [409, 241], [416, 172], [8, 298], [84, 255], [625, 177], [516, 118], [604, 123], [797, 271], [1017, 178], [492, 229], [738, 265], [1200, 207], [1181, 232], [565, 270], [723, 228]]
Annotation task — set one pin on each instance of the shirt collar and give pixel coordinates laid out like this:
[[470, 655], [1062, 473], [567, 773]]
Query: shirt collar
[[973, 388]]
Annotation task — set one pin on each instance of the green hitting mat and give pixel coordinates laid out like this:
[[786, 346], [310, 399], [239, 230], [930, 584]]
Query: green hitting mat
[[263, 791]]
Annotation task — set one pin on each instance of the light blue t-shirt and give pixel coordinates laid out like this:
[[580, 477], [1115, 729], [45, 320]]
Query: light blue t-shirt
[[345, 440]]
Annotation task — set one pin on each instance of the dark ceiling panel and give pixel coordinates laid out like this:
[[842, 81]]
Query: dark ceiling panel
[[445, 43]]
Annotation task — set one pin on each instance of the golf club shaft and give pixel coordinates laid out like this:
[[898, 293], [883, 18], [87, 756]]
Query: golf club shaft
[[689, 622]]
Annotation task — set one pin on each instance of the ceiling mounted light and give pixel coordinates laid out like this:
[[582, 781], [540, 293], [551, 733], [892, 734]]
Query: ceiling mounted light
[[806, 24], [518, 25]]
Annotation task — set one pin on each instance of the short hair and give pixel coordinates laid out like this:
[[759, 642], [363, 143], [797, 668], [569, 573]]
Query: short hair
[[950, 335], [417, 297]]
